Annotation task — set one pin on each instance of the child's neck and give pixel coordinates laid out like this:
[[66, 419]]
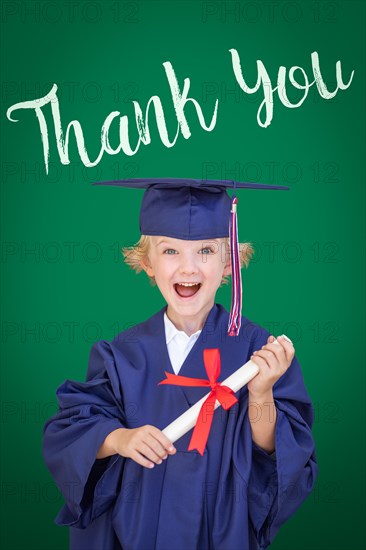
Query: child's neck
[[189, 325]]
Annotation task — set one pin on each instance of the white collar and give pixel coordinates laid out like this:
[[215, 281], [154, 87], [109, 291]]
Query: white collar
[[171, 331]]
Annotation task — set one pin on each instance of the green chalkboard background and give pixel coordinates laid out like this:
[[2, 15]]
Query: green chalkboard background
[[64, 284]]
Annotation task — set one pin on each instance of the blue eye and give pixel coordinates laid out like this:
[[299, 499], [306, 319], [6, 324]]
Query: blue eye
[[170, 251], [206, 250]]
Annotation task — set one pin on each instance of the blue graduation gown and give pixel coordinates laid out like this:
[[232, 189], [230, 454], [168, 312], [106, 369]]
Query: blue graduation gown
[[235, 497]]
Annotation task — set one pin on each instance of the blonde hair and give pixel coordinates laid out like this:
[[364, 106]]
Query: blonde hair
[[135, 255]]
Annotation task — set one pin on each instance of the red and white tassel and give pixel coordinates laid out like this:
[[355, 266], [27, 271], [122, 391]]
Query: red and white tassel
[[236, 287]]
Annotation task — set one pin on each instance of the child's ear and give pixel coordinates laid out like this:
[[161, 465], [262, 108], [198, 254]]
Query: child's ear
[[145, 264], [227, 269]]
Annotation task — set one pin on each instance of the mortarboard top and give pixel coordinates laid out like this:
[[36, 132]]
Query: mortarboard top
[[187, 209], [192, 209]]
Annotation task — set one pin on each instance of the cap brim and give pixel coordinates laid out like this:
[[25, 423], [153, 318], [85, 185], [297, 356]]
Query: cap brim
[[144, 183]]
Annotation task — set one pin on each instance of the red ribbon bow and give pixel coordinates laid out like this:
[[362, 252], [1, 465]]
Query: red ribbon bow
[[223, 394]]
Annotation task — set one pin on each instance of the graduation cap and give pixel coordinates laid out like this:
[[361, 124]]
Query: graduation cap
[[192, 209]]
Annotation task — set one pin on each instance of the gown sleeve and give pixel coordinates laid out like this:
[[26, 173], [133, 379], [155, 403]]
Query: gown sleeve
[[88, 412], [281, 481]]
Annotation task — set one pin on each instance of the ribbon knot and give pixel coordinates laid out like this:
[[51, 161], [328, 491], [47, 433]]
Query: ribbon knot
[[223, 394]]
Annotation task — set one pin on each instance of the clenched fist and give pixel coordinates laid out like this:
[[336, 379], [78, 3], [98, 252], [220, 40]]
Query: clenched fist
[[273, 361]]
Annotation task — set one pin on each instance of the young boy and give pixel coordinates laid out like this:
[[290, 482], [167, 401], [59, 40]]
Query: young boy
[[125, 484]]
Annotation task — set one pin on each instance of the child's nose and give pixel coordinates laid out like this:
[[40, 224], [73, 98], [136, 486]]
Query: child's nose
[[189, 264]]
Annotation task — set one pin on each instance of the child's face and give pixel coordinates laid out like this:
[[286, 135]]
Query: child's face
[[177, 264]]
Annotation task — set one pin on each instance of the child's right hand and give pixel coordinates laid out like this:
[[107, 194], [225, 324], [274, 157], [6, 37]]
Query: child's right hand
[[146, 445]]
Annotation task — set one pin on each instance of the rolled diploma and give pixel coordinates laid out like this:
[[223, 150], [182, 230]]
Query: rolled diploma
[[188, 419]]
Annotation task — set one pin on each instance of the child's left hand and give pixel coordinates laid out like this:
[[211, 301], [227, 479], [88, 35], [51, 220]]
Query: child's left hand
[[273, 361]]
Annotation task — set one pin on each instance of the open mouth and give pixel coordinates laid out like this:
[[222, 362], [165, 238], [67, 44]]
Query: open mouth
[[187, 290]]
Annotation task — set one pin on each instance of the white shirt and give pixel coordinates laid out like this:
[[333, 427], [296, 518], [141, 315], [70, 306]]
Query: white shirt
[[179, 344]]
